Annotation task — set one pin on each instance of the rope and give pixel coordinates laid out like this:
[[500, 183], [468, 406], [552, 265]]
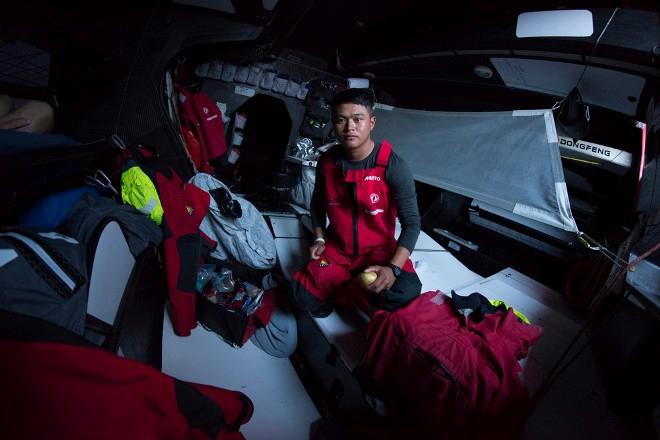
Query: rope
[[556, 371], [586, 65]]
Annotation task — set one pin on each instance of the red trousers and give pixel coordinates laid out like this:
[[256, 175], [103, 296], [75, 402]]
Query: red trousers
[[337, 273]]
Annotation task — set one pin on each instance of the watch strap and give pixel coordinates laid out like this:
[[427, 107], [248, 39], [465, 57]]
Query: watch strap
[[396, 270]]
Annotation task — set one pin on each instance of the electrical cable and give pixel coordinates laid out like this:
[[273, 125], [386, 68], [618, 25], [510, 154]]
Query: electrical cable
[[586, 63], [593, 51]]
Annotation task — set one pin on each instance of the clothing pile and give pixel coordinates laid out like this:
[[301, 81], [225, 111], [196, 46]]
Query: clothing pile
[[449, 376], [46, 273], [196, 225]]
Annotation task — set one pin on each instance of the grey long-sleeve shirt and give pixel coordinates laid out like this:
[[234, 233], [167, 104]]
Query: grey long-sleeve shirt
[[400, 181]]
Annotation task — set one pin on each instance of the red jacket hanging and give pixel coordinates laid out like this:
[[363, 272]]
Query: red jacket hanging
[[360, 207], [452, 381], [184, 207], [201, 116]]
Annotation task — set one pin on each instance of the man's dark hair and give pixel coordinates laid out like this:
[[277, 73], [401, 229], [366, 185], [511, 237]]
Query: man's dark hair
[[363, 97]]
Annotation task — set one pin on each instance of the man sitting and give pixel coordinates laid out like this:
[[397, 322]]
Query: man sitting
[[362, 187]]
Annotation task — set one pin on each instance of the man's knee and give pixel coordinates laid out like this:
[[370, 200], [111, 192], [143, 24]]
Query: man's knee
[[302, 298], [40, 114], [406, 288]]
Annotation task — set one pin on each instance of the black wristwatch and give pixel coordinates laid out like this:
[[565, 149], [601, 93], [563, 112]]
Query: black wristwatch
[[396, 270]]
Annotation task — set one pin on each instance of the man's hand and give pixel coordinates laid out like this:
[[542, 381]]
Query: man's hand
[[316, 250], [384, 281], [13, 121]]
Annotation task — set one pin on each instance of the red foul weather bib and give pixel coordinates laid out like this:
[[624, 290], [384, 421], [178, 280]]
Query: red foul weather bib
[[361, 210]]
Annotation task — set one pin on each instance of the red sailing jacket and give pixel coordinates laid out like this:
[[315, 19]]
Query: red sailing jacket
[[360, 207], [55, 386], [184, 208], [452, 381], [195, 150], [202, 117]]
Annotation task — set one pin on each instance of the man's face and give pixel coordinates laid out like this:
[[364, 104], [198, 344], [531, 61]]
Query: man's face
[[353, 125]]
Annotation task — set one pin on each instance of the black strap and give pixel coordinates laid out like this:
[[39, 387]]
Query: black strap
[[28, 328]]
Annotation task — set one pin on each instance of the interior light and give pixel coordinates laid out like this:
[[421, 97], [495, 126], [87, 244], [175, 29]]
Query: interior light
[[483, 71], [561, 23]]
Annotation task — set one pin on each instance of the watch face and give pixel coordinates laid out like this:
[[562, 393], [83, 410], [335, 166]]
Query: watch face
[[395, 270]]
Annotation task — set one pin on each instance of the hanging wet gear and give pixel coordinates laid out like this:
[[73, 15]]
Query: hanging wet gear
[[205, 135], [184, 206], [139, 191], [184, 245]]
